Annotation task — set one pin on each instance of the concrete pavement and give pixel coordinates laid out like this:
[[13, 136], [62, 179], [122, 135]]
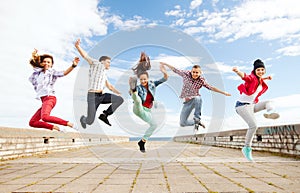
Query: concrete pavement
[[165, 167]]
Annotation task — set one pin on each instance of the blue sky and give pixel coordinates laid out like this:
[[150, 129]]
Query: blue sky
[[233, 33]]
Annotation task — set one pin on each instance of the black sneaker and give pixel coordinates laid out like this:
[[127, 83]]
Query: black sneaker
[[198, 123], [103, 118], [201, 124], [142, 146], [82, 122], [132, 83]]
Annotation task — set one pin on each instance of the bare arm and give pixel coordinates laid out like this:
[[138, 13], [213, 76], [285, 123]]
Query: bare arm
[[112, 88], [239, 73], [82, 52], [164, 71], [268, 78], [220, 91], [74, 64], [168, 65]]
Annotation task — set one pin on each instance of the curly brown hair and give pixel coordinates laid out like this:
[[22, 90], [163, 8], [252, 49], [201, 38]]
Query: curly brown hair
[[36, 60]]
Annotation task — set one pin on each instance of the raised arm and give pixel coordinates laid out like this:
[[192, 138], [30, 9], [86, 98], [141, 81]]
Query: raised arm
[[35, 60], [164, 71], [74, 64], [82, 52], [168, 65], [239, 73]]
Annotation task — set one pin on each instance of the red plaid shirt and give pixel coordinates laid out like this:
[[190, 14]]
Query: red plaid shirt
[[191, 86]]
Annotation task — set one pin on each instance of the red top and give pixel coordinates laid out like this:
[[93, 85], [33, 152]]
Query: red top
[[251, 84], [149, 100]]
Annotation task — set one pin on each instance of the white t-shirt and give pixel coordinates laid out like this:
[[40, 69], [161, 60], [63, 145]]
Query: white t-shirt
[[250, 98]]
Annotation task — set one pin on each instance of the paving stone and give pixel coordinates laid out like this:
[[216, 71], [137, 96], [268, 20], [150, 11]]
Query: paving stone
[[191, 169]]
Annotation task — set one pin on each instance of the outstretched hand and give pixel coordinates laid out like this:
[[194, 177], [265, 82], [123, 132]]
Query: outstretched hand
[[235, 69], [162, 68], [268, 78], [77, 43], [35, 53]]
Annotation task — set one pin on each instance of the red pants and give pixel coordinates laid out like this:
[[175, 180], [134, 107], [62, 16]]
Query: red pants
[[42, 116]]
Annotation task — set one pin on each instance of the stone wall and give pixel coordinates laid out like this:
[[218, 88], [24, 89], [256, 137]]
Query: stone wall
[[283, 139], [16, 143]]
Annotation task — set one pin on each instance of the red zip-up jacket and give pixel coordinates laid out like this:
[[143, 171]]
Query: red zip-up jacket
[[251, 84]]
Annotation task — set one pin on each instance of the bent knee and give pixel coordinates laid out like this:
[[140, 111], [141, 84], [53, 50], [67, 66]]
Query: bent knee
[[121, 100], [183, 124], [45, 118], [31, 123]]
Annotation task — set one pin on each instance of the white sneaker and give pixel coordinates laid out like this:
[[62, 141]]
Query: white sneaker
[[271, 115], [132, 83], [75, 127]]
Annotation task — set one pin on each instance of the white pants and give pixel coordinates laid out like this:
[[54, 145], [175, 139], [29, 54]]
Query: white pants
[[247, 113]]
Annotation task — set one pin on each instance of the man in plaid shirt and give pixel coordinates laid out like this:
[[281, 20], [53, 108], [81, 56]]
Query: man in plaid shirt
[[192, 82]]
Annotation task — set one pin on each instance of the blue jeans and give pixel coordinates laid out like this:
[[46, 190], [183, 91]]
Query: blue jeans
[[195, 103]]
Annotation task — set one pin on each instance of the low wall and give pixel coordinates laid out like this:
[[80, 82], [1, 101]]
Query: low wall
[[16, 143], [283, 139]]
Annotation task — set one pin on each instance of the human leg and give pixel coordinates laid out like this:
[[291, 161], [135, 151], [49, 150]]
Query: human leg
[[49, 103], [94, 101], [115, 101], [247, 113], [198, 105], [145, 114], [35, 121], [197, 114], [185, 113], [269, 106]]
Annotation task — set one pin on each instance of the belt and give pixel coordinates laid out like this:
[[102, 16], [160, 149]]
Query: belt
[[238, 104], [95, 92]]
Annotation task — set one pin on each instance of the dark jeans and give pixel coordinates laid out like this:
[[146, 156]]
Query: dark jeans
[[95, 99]]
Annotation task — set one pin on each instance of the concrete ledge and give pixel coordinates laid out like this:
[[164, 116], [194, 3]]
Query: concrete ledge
[[282, 139], [16, 142]]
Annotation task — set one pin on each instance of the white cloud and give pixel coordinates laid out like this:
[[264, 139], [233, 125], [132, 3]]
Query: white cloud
[[48, 25], [267, 20], [131, 24], [290, 50], [190, 23], [220, 67], [195, 3], [177, 7], [180, 62], [178, 12], [179, 22]]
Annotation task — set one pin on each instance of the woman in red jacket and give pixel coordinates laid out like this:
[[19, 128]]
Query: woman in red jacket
[[248, 104]]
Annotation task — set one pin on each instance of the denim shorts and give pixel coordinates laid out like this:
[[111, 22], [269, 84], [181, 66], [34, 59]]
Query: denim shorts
[[238, 104]]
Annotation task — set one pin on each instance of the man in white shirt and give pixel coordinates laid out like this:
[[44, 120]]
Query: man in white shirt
[[97, 82]]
